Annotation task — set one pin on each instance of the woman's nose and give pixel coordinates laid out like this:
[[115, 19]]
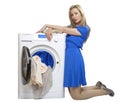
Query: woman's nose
[[74, 17]]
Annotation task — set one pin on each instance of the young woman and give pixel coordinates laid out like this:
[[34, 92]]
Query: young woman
[[74, 72]]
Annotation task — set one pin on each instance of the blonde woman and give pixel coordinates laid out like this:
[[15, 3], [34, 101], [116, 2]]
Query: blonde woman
[[74, 72]]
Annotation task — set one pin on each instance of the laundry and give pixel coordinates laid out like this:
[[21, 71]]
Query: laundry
[[43, 67], [39, 92], [37, 68], [45, 58], [41, 77]]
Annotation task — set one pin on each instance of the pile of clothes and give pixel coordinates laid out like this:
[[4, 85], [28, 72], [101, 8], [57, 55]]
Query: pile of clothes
[[41, 77]]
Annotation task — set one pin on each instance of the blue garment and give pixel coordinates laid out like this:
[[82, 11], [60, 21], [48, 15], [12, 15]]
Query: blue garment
[[46, 58], [74, 72]]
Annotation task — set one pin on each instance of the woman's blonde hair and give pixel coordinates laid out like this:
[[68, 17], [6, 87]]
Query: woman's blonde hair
[[83, 20]]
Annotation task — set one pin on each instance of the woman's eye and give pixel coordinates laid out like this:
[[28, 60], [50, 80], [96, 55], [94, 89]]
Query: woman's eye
[[76, 13], [71, 15]]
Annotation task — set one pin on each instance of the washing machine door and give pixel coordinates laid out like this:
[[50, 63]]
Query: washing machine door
[[25, 65]]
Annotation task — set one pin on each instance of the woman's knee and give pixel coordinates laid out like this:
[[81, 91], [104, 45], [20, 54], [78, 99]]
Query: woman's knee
[[75, 97], [75, 93]]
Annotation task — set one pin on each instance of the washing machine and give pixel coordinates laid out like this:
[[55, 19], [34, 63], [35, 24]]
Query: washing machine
[[54, 49]]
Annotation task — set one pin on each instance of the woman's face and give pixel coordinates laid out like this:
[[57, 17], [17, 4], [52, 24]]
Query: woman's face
[[75, 16]]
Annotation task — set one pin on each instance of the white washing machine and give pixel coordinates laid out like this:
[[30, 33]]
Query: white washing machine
[[55, 49]]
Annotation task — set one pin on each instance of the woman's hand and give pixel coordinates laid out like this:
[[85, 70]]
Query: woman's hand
[[43, 29], [49, 34], [47, 30]]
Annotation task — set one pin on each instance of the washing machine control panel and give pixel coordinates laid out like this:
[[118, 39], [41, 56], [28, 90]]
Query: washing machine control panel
[[41, 36]]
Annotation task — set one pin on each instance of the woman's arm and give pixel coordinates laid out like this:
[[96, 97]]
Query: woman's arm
[[64, 29], [60, 29], [56, 31]]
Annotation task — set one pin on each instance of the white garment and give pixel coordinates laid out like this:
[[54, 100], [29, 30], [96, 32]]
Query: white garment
[[42, 66], [41, 77], [37, 68], [40, 92]]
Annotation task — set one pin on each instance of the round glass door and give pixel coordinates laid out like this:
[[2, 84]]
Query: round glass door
[[48, 55], [45, 57]]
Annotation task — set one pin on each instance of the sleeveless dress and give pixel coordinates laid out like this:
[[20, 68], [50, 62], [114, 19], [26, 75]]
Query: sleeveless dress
[[74, 71]]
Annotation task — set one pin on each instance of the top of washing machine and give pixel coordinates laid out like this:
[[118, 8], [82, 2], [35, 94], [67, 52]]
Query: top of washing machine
[[41, 36]]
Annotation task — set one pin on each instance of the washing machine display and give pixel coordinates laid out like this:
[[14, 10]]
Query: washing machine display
[[47, 55]]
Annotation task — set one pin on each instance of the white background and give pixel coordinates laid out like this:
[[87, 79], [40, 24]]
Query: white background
[[101, 52]]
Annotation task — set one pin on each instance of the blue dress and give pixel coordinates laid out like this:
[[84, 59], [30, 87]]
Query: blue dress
[[74, 71]]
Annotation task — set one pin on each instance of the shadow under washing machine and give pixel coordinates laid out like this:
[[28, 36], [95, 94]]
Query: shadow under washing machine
[[40, 66]]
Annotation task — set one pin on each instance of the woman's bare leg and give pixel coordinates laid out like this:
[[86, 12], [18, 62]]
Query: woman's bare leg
[[98, 85], [80, 94], [90, 88]]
